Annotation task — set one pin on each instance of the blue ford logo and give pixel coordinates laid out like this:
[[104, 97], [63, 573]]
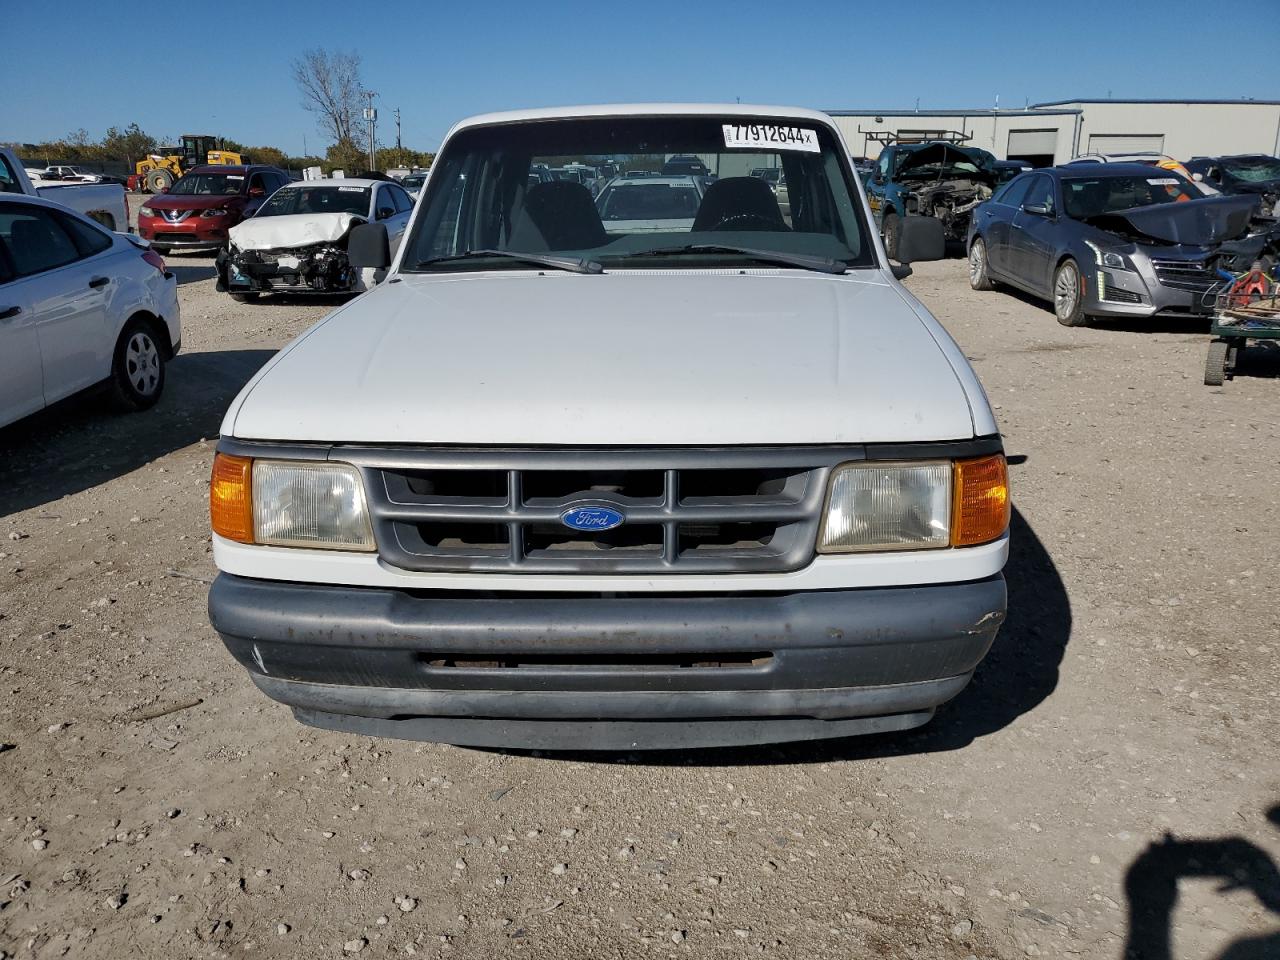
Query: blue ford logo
[[590, 518]]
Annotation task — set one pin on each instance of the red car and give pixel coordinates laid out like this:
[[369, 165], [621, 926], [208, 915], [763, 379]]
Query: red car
[[197, 211]]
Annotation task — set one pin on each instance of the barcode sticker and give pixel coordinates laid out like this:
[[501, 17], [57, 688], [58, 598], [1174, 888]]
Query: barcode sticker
[[768, 136]]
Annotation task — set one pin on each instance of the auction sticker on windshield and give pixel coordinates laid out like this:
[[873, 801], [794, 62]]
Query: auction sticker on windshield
[[768, 136]]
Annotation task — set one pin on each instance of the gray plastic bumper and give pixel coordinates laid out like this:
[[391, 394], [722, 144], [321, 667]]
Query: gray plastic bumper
[[621, 672]]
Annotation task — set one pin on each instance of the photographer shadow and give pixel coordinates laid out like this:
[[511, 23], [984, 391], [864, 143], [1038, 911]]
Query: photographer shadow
[[1151, 886]]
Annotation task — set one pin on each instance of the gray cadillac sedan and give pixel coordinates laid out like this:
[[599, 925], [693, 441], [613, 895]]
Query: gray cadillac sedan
[[1111, 240]]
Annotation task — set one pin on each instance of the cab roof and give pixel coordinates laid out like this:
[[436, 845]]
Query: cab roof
[[643, 110]]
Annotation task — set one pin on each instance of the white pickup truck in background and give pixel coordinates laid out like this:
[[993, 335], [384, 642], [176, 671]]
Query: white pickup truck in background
[[103, 202]]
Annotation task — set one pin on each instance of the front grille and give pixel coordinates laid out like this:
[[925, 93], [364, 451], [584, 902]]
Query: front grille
[[176, 216], [162, 237], [687, 511], [1194, 275]]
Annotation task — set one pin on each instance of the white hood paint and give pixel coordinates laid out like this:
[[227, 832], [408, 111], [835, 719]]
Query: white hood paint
[[294, 230], [675, 358]]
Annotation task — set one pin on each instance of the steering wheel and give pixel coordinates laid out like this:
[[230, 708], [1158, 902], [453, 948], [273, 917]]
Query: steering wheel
[[740, 221]]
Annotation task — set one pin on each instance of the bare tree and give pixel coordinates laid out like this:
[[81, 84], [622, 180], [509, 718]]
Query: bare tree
[[329, 82]]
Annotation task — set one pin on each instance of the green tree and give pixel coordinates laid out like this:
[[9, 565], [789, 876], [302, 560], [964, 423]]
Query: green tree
[[270, 155], [345, 155], [130, 144]]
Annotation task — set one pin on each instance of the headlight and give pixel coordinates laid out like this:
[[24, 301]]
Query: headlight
[[290, 503], [915, 505], [1107, 258], [219, 212], [888, 506], [146, 211]]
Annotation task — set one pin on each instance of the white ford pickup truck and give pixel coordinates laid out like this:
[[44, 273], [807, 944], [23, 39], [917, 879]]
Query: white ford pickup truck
[[103, 202], [558, 485]]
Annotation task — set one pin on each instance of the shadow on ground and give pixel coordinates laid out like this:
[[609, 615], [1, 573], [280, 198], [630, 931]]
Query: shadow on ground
[[1176, 325], [190, 274], [1151, 886], [1259, 359], [1019, 673], [81, 442]]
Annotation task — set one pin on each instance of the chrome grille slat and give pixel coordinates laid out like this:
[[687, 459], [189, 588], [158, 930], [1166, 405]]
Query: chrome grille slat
[[1194, 275]]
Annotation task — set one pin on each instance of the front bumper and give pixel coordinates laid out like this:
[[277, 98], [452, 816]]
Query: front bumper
[[608, 672], [189, 234]]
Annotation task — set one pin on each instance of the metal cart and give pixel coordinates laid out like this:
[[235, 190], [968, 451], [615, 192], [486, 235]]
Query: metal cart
[[1237, 319]]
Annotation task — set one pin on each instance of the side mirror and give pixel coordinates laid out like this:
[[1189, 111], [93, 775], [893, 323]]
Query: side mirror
[[386, 213], [369, 246], [921, 238], [1038, 209]]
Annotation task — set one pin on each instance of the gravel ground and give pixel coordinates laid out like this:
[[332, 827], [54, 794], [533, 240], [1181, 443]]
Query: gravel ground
[[1121, 735]]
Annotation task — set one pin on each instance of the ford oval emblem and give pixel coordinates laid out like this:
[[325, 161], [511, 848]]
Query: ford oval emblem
[[592, 518]]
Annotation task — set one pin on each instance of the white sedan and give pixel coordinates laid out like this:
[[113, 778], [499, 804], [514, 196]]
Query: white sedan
[[79, 306]]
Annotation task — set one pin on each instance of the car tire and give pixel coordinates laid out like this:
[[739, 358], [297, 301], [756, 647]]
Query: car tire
[[979, 278], [889, 230], [137, 367], [244, 297], [1068, 298]]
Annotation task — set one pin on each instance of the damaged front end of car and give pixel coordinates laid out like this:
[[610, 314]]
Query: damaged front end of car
[[321, 268], [947, 182], [301, 253]]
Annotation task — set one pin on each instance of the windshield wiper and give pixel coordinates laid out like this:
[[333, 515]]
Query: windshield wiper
[[800, 260], [572, 264]]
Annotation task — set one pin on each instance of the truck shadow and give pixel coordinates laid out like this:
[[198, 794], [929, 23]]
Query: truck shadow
[[1151, 887], [80, 442], [1019, 673]]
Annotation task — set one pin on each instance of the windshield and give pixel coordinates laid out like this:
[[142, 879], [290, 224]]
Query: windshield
[[485, 195], [413, 182], [1086, 197], [208, 184], [317, 200], [1253, 169]]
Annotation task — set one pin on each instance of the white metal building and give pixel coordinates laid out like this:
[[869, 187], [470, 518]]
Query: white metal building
[[1049, 133]]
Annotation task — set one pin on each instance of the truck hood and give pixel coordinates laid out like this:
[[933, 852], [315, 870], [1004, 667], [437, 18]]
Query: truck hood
[[292, 230], [519, 358], [1203, 222]]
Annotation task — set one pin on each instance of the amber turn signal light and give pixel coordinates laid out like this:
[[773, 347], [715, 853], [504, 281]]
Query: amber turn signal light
[[231, 498], [980, 500]]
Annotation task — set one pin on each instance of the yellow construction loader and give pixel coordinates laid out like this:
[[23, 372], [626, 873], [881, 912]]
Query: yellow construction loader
[[158, 171]]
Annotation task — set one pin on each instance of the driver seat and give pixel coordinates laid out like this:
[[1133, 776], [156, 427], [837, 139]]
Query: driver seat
[[739, 197]]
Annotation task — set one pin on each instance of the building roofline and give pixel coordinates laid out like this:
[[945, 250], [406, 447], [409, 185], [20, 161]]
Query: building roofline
[[1059, 103], [983, 112]]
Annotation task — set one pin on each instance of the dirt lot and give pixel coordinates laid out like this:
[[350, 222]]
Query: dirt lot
[[154, 804]]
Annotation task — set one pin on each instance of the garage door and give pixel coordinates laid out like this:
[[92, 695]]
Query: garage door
[[1126, 143], [1030, 143]]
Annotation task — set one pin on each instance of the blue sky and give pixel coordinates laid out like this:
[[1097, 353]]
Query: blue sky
[[98, 64]]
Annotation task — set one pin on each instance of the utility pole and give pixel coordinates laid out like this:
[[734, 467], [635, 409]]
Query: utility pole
[[399, 149], [371, 115]]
